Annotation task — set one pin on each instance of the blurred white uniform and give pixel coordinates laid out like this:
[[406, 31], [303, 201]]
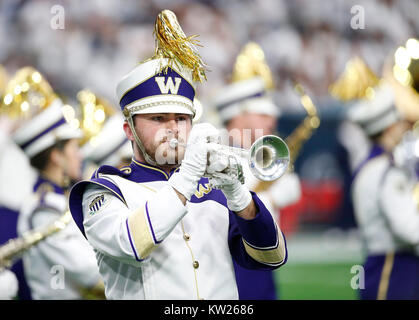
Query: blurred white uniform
[[64, 261], [16, 174], [385, 211], [8, 285], [283, 192]]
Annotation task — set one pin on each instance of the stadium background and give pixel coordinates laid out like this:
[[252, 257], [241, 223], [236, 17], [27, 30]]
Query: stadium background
[[306, 40]]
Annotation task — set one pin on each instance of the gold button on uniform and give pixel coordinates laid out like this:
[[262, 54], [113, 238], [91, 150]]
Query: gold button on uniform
[[186, 237], [196, 264]]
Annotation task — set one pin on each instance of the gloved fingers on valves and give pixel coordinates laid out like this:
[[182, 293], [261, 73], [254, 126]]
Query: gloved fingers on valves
[[216, 162], [203, 133]]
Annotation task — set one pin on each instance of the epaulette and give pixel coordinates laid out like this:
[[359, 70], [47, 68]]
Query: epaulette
[[76, 194], [105, 169]]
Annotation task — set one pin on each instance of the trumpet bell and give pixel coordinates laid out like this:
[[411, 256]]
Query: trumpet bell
[[269, 158]]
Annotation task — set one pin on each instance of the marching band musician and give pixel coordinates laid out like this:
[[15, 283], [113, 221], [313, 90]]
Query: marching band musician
[[246, 105], [63, 265], [16, 176], [382, 193], [159, 230], [103, 142]]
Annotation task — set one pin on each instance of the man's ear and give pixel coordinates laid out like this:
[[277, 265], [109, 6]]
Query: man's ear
[[128, 131]]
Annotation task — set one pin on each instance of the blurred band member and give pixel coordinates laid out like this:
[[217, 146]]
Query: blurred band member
[[382, 193], [62, 265], [247, 110], [160, 230]]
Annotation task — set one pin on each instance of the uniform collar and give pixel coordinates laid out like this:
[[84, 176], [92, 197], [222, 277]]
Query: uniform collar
[[144, 172], [44, 185], [375, 151]]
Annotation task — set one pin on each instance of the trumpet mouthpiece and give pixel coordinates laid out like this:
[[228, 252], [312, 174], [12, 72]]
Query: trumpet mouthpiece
[[173, 143]]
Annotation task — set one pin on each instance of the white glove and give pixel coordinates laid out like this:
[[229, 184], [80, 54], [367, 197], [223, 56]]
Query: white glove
[[194, 163], [238, 195]]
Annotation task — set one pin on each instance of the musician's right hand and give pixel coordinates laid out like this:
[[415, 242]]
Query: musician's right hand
[[195, 161]]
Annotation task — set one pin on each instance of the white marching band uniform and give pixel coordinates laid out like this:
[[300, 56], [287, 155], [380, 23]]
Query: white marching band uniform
[[61, 264], [148, 244], [386, 213], [249, 93], [65, 250], [384, 206]]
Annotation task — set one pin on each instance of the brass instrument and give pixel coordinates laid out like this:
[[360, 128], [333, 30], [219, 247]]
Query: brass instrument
[[402, 72], [300, 134], [14, 248], [268, 159], [356, 82], [95, 111], [305, 130], [251, 63], [26, 94]]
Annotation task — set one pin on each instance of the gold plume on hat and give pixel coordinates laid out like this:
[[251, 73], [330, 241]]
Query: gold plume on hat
[[26, 94], [251, 63], [356, 82], [402, 72], [172, 43], [95, 111]]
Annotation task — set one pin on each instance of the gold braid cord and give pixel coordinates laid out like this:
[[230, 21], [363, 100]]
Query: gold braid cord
[[172, 43]]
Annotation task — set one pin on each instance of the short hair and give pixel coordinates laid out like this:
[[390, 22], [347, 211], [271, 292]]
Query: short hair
[[40, 160]]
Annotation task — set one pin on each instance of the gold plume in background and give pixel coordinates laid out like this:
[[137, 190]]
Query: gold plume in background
[[26, 94], [356, 82], [172, 43], [95, 111], [251, 63], [402, 72]]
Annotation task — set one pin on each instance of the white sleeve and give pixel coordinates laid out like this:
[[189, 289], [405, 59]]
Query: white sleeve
[[129, 234], [69, 249], [399, 207], [105, 224]]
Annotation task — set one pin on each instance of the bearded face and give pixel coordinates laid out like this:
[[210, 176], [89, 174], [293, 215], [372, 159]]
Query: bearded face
[[155, 131]]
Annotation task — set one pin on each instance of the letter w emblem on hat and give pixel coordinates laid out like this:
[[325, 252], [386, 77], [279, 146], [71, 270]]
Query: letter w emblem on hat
[[169, 85]]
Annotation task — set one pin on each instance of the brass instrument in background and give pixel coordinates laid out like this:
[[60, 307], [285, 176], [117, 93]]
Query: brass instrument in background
[[14, 248], [299, 136], [26, 94], [305, 130], [402, 72], [95, 112], [356, 82], [251, 63]]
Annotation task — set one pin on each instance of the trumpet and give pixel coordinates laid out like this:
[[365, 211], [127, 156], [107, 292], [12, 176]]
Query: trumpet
[[268, 159], [14, 248]]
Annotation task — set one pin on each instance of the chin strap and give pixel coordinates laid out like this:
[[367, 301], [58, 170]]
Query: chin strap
[[140, 145]]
